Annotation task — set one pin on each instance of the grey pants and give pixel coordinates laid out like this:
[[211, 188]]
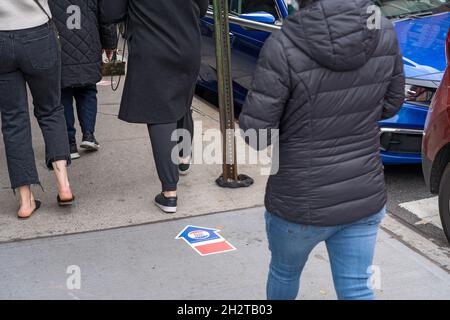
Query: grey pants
[[163, 146], [31, 56]]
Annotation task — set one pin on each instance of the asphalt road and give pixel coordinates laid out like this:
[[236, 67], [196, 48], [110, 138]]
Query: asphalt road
[[405, 185]]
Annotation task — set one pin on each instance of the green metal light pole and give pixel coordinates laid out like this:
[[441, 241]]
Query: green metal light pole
[[230, 177]]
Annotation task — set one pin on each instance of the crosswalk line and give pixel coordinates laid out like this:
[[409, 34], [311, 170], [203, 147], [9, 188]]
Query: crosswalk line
[[427, 210]]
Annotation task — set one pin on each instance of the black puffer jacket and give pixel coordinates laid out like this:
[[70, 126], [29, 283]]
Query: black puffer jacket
[[82, 48], [325, 80]]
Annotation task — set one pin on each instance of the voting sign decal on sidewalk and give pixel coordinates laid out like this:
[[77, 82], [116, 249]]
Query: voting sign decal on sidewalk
[[205, 241]]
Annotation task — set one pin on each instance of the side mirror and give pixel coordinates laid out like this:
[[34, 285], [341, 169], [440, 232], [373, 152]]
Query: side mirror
[[262, 17]]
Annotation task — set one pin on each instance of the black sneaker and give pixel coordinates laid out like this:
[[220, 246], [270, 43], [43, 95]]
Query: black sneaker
[[168, 205], [184, 168], [74, 152], [89, 142]]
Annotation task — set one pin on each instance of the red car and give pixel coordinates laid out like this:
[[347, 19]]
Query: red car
[[436, 146]]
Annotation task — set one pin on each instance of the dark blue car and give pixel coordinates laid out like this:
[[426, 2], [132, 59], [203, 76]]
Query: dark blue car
[[422, 27]]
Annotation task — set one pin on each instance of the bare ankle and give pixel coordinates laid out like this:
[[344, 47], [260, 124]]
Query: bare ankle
[[65, 193], [186, 160], [27, 203], [26, 196], [170, 194]]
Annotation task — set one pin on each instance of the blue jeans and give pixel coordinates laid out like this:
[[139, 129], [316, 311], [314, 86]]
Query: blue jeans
[[350, 248], [86, 101]]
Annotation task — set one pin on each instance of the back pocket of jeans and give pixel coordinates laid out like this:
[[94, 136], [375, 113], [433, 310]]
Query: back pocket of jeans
[[42, 51]]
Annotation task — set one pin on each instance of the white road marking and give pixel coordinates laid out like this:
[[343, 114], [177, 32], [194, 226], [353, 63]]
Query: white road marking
[[427, 210]]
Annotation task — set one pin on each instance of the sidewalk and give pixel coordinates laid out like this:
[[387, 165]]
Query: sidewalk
[[146, 262], [116, 186], [125, 246]]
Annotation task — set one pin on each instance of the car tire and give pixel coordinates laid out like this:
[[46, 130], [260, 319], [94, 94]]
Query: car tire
[[444, 201]]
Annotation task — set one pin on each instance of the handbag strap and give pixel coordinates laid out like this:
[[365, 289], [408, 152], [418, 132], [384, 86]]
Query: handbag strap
[[50, 21], [43, 10], [114, 88]]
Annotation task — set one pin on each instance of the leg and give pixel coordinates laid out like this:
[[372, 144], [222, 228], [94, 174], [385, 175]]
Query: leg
[[67, 96], [45, 87], [187, 123], [163, 146], [62, 179], [16, 130], [86, 98], [43, 75], [290, 245], [27, 202], [351, 252]]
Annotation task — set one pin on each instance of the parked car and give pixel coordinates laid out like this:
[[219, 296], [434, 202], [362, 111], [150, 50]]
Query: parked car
[[422, 28], [436, 147]]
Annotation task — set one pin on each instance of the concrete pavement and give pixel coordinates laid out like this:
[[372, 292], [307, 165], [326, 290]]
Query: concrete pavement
[[146, 262], [129, 249], [116, 186]]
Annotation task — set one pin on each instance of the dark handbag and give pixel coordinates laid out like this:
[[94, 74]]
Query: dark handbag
[[115, 67]]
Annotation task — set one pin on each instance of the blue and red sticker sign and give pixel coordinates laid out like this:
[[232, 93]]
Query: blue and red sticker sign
[[205, 241]]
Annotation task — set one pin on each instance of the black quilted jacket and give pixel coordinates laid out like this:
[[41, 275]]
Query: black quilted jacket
[[325, 80], [82, 48]]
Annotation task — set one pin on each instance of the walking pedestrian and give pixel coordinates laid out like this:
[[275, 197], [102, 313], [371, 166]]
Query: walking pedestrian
[[164, 42], [83, 37], [30, 54], [325, 80]]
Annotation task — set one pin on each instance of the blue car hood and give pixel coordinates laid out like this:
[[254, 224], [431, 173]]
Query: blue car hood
[[422, 42]]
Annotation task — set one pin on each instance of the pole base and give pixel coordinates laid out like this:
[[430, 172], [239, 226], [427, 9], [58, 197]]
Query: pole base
[[243, 181]]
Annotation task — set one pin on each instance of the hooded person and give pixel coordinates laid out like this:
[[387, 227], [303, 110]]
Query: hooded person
[[324, 81], [164, 41], [83, 38]]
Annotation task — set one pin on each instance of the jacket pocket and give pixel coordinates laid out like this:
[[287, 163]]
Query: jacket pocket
[[42, 49]]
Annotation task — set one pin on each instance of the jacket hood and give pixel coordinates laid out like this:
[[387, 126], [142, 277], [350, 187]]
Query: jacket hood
[[334, 33]]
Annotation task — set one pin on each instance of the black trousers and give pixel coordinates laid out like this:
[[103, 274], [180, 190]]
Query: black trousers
[[166, 139], [31, 56]]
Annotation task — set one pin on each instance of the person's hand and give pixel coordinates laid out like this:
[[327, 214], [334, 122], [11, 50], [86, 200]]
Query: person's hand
[[109, 53]]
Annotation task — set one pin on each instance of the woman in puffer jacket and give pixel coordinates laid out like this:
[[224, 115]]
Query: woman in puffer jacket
[[325, 80]]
